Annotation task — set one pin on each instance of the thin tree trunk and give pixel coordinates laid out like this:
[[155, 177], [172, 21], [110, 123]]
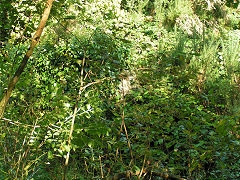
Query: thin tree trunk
[[21, 67], [73, 120]]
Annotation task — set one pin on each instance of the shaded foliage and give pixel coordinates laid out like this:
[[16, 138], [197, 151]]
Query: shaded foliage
[[179, 115]]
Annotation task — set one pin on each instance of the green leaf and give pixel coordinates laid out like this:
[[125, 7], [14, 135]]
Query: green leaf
[[50, 155], [160, 141], [3, 135], [66, 147]]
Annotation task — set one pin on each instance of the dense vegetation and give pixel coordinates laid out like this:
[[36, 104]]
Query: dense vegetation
[[120, 89]]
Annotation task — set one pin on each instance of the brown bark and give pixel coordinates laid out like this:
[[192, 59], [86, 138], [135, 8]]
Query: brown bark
[[21, 67]]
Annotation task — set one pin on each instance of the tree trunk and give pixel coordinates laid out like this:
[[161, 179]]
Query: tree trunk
[[21, 67]]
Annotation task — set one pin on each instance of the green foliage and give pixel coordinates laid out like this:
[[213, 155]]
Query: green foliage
[[180, 114], [232, 3], [176, 9], [19, 19]]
